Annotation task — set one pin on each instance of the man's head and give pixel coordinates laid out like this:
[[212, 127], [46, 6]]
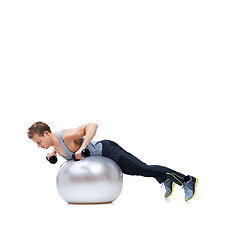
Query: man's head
[[40, 133]]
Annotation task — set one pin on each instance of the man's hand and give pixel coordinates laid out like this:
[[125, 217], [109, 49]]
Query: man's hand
[[53, 153], [78, 154]]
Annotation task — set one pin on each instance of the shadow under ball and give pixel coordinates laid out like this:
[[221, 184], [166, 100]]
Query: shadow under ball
[[94, 179]]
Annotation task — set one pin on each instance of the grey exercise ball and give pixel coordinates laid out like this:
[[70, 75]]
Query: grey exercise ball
[[94, 179]]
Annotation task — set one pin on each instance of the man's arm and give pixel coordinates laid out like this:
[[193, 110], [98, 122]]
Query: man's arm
[[74, 134]]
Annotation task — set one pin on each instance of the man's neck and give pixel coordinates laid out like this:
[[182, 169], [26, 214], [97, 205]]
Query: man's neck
[[55, 141]]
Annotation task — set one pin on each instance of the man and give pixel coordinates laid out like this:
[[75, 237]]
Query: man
[[67, 142]]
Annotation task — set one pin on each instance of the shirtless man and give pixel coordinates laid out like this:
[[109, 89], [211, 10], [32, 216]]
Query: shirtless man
[[74, 140]]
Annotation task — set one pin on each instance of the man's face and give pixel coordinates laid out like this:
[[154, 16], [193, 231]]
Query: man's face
[[42, 141]]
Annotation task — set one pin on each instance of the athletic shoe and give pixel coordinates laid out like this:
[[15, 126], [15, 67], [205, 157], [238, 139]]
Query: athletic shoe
[[190, 188], [169, 186]]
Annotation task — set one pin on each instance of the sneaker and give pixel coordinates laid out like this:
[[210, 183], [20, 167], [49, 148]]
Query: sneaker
[[190, 188], [169, 186]]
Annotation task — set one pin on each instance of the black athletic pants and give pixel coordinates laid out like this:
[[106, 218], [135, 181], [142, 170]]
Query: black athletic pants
[[133, 166]]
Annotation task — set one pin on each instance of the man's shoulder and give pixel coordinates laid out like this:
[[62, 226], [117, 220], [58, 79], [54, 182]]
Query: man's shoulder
[[67, 133]]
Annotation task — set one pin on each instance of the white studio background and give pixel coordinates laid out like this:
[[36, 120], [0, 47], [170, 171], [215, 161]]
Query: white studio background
[[161, 78]]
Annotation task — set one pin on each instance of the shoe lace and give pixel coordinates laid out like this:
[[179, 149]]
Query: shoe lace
[[162, 185], [185, 187]]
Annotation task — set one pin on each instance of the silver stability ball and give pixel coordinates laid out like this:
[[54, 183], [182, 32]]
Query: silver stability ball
[[92, 180]]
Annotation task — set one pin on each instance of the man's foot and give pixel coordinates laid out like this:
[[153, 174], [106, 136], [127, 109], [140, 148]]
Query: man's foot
[[169, 186], [190, 188]]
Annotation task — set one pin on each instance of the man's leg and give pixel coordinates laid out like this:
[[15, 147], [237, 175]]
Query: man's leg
[[133, 166]]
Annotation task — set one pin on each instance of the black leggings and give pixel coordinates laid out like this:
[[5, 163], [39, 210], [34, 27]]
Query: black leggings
[[133, 166]]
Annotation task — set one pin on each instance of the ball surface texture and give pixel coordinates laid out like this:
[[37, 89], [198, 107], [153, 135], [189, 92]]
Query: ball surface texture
[[94, 179]]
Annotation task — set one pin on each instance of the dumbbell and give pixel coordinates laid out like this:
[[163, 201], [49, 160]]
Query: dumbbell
[[85, 153], [52, 159]]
